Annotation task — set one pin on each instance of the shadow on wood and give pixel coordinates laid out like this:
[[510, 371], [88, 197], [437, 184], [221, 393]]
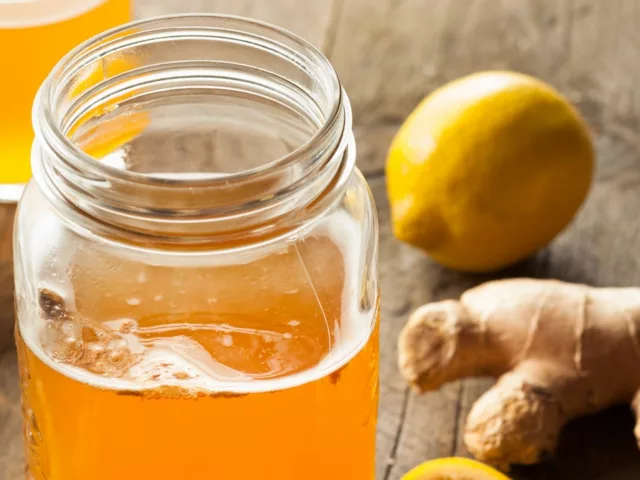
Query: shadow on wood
[[602, 446], [7, 213]]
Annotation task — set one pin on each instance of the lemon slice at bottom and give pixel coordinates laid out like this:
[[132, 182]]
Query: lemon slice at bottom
[[454, 468]]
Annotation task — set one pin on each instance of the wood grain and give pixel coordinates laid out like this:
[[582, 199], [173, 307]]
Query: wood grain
[[398, 51], [311, 21], [11, 453], [399, 268], [7, 212], [389, 54]]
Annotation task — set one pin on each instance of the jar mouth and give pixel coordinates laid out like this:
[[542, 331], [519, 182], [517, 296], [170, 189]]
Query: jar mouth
[[47, 122], [126, 90]]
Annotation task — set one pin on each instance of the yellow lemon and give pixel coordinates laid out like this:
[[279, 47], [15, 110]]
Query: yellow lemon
[[487, 170], [453, 469]]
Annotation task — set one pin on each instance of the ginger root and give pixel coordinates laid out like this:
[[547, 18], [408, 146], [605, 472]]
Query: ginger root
[[559, 351]]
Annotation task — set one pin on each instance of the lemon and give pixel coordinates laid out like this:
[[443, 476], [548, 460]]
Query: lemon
[[454, 468], [487, 170]]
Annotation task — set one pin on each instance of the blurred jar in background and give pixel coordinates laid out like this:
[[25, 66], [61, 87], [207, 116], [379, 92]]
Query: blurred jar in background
[[34, 35]]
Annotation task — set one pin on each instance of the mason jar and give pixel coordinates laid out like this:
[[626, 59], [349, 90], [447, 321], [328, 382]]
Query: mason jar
[[196, 262]]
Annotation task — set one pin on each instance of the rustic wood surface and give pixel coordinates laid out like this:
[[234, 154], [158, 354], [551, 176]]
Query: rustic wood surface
[[389, 54]]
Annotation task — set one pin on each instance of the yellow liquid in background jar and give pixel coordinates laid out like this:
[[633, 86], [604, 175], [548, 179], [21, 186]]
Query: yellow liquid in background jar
[[34, 35]]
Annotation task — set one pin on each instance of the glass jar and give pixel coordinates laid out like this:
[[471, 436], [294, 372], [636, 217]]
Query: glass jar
[[195, 262]]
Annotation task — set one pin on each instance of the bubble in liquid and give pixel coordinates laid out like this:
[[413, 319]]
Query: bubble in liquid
[[122, 325], [274, 364], [133, 301], [71, 338], [63, 340]]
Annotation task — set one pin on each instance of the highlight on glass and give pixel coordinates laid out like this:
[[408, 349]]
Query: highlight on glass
[[196, 262]]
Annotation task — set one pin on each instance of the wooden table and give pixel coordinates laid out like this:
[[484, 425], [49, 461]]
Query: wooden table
[[389, 54]]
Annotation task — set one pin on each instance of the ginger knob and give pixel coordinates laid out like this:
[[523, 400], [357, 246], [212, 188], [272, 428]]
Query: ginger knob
[[559, 351]]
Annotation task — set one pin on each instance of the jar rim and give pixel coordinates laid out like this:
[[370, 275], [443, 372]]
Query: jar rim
[[193, 209], [45, 123]]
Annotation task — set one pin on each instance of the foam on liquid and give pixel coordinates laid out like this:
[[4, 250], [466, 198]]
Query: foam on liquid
[[186, 368]]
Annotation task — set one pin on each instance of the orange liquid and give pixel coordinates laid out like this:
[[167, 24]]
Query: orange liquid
[[278, 392], [27, 55]]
